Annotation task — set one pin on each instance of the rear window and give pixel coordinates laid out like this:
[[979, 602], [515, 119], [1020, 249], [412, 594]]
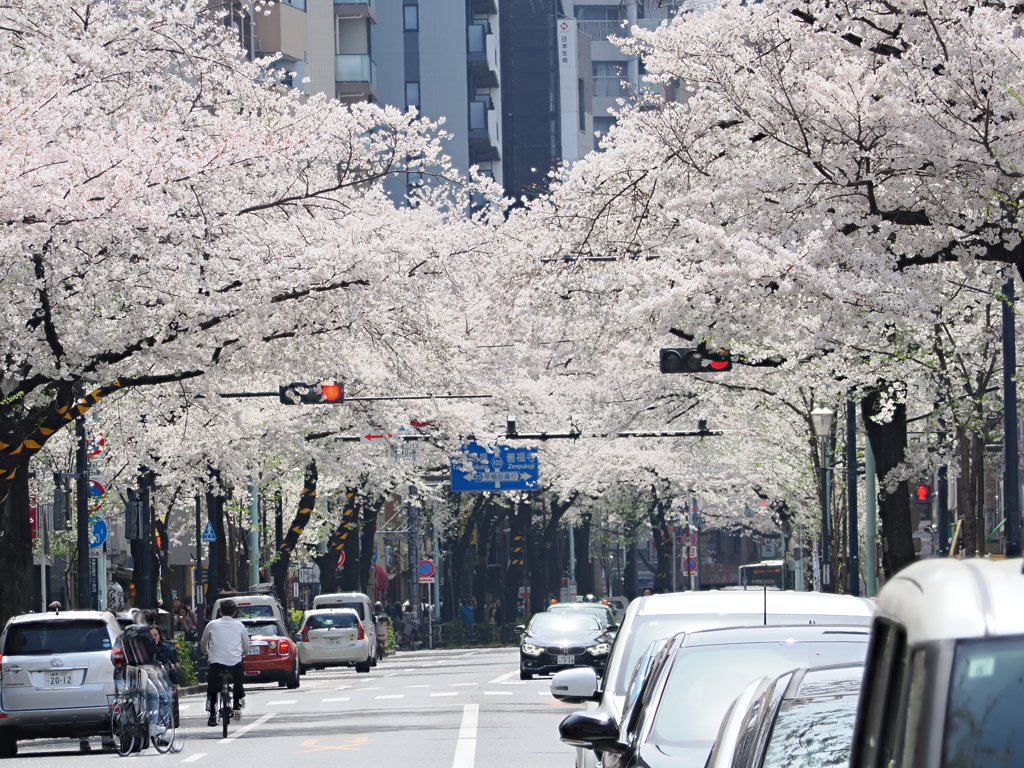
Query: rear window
[[51, 637], [254, 611], [263, 629], [328, 620], [357, 607]]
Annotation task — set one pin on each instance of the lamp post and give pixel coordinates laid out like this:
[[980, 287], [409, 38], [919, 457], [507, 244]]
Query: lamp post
[[821, 423]]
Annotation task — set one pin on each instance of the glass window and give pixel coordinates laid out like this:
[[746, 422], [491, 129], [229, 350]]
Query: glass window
[[263, 629], [581, 104], [412, 95], [608, 77], [563, 622], [986, 698], [599, 12], [341, 620], [812, 733], [411, 15], [704, 681], [254, 611], [52, 637]]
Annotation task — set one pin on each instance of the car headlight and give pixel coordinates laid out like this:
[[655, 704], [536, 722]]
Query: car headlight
[[532, 650], [599, 650]]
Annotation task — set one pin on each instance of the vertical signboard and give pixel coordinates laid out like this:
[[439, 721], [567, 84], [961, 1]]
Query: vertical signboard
[[568, 86]]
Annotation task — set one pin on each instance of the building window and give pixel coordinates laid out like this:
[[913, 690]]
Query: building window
[[737, 545], [601, 127], [599, 12], [581, 104], [412, 90], [412, 17], [608, 77]]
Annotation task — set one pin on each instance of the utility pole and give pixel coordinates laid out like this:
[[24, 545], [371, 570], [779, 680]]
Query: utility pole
[[853, 561], [414, 550], [144, 584], [1011, 483], [82, 513], [254, 534], [943, 511], [199, 555], [871, 516]]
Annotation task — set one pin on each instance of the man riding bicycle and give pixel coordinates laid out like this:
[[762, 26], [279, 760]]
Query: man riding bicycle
[[224, 643]]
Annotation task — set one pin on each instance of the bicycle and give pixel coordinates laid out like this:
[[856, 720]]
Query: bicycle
[[129, 717], [227, 710]]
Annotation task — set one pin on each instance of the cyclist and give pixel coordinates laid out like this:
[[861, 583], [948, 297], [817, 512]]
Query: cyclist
[[224, 643]]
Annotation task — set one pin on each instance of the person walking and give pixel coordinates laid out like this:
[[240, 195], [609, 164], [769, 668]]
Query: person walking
[[224, 643], [466, 612]]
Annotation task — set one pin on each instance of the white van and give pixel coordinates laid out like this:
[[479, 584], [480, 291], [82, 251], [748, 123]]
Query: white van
[[356, 601], [258, 606]]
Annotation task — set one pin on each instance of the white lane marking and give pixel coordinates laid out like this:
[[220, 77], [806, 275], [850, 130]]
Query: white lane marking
[[193, 758], [465, 747], [544, 693], [373, 688], [254, 724], [446, 693], [502, 678], [465, 683], [342, 687], [392, 696], [280, 702], [415, 686], [391, 675], [343, 698], [513, 682], [497, 693]]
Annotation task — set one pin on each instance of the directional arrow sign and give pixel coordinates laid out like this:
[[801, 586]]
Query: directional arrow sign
[[495, 468], [371, 436]]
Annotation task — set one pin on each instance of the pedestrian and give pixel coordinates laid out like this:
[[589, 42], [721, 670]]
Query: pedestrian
[[466, 612], [409, 627], [647, 591], [490, 613]]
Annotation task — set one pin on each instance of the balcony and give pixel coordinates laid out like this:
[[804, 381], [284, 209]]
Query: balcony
[[355, 9], [480, 56], [355, 77], [483, 133], [602, 30]]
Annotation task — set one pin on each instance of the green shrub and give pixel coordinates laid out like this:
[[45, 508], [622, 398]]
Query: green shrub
[[187, 673], [296, 617]]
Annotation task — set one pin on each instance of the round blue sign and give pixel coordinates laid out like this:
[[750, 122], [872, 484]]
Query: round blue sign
[[97, 532]]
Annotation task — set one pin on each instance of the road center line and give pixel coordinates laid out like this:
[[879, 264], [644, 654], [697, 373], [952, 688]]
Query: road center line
[[446, 693], [415, 686], [194, 757], [232, 736], [502, 678], [497, 693], [343, 698], [465, 684], [281, 702], [392, 696], [465, 747]]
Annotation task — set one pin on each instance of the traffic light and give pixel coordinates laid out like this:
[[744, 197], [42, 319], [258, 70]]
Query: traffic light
[[676, 360], [323, 392], [922, 493]]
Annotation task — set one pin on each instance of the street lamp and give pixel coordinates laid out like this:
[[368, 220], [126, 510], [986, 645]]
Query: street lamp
[[821, 423]]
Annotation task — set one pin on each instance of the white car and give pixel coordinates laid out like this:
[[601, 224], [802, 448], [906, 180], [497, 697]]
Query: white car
[[335, 637]]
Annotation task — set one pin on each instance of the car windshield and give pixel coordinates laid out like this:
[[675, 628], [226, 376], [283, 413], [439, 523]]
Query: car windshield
[[600, 613], [254, 611], [341, 620], [705, 679], [564, 622], [357, 607], [812, 733], [262, 629], [50, 637], [986, 698]]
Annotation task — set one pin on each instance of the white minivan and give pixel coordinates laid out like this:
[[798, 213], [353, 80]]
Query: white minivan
[[335, 637]]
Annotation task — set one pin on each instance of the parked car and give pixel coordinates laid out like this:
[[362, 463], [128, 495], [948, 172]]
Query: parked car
[[357, 601], [56, 673], [662, 616], [555, 641], [699, 675], [801, 719], [603, 612], [335, 637], [942, 684], [273, 655]]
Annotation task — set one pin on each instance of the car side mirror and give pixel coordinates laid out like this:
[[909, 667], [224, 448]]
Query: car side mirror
[[575, 685], [592, 730], [297, 637], [520, 628]]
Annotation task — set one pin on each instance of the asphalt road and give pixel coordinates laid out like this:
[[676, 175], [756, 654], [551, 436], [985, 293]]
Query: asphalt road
[[426, 709]]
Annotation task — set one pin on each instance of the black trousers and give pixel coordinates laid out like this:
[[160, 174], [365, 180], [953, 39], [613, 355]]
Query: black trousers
[[213, 683]]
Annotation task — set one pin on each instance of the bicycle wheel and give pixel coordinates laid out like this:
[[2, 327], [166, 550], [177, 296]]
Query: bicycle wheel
[[123, 726], [226, 710]]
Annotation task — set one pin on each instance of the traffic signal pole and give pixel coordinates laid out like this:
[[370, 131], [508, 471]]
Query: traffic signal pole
[[82, 514], [1011, 482]]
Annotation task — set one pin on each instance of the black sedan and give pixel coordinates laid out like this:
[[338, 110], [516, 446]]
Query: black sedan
[[555, 641]]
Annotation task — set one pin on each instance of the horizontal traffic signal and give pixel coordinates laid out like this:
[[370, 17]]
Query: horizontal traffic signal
[[323, 392], [679, 360]]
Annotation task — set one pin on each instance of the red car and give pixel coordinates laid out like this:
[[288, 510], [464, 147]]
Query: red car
[[272, 654]]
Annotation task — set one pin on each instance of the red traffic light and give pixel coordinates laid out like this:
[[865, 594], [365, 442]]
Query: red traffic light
[[922, 492], [330, 392]]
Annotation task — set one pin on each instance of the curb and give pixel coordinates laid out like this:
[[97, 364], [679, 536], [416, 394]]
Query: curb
[[192, 690]]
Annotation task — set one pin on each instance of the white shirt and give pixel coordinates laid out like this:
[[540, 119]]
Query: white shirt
[[229, 639]]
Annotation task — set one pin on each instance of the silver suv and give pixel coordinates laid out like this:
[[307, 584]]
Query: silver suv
[[56, 672]]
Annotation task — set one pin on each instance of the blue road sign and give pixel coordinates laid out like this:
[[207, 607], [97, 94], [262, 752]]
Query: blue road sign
[[97, 532], [495, 468], [426, 568], [208, 533], [374, 558]]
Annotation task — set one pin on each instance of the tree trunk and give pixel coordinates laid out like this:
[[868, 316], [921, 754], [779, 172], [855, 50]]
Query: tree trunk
[[328, 562], [889, 445], [348, 581], [16, 549], [367, 576], [662, 546], [485, 535], [460, 554], [282, 558], [584, 568]]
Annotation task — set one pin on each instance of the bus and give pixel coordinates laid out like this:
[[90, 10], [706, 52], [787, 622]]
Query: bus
[[768, 573]]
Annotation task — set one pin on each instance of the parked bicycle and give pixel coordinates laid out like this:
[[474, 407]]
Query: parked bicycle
[[130, 722]]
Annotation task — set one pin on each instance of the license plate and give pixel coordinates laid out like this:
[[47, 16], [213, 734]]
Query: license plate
[[566, 660], [334, 641], [58, 678]]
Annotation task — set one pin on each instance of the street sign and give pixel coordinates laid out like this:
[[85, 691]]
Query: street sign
[[374, 436], [426, 569], [494, 468], [204, 575], [208, 533], [95, 445], [97, 532], [341, 558], [426, 579], [689, 540], [690, 551], [689, 565]]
